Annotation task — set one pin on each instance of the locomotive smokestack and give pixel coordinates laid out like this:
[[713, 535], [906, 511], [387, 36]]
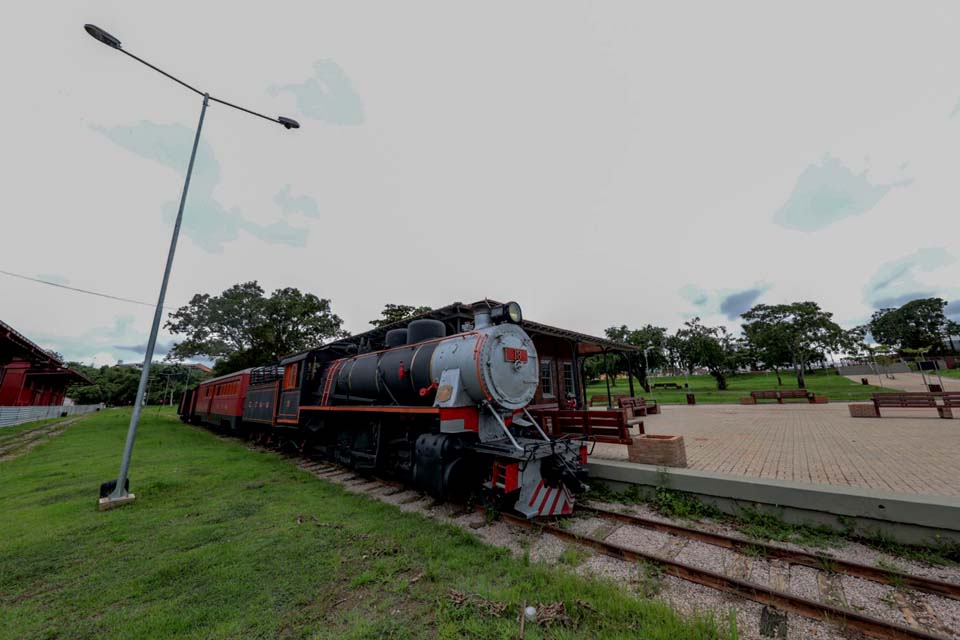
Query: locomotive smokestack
[[481, 316]]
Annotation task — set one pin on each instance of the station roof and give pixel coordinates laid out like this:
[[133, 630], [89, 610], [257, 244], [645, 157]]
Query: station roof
[[14, 346], [458, 313]]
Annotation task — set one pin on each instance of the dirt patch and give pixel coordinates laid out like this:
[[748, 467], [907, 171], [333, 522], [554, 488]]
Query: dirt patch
[[26, 440]]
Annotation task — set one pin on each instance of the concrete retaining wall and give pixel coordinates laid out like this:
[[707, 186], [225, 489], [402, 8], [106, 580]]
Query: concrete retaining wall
[[907, 518]]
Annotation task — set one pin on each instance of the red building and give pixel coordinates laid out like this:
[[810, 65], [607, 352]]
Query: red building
[[29, 376]]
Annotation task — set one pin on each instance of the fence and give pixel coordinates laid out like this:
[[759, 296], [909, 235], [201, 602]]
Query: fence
[[10, 416]]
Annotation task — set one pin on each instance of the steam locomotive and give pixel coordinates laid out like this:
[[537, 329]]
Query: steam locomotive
[[446, 414]]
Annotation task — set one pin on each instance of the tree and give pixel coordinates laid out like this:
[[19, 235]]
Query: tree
[[917, 324], [649, 338], [712, 348], [117, 385], [242, 328], [805, 329], [769, 343], [397, 312]]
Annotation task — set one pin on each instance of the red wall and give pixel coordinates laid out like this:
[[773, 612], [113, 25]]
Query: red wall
[[20, 389]]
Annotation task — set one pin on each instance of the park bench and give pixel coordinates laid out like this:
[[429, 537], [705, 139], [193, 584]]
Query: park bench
[[951, 400], [765, 395], [638, 407], [666, 385], [783, 394], [598, 426], [916, 401], [635, 410], [598, 401], [795, 394]]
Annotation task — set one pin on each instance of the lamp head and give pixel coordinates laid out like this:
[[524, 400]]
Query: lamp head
[[288, 123], [101, 35]]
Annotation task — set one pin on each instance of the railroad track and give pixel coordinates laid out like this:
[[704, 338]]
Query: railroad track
[[782, 600], [778, 600], [768, 551], [20, 444]]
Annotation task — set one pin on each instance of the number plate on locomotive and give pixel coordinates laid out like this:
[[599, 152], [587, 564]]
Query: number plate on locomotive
[[511, 354]]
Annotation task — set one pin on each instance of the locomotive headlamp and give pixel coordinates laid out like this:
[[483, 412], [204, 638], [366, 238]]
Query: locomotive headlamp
[[509, 312]]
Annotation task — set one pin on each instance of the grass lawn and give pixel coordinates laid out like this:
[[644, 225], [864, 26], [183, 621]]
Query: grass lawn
[[837, 388], [950, 373], [223, 542]]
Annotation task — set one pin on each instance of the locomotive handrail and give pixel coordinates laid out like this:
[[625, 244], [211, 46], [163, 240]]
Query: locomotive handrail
[[530, 417], [503, 425]]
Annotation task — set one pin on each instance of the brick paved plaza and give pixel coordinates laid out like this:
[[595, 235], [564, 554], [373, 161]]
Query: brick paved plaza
[[912, 452]]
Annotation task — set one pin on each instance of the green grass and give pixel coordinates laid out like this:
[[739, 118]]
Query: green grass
[[949, 373], [837, 388], [223, 542]]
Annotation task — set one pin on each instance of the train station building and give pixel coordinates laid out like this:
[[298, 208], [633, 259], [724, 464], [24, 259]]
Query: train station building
[[29, 375], [562, 352]]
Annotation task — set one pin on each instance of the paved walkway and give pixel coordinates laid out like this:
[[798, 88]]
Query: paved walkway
[[914, 452], [908, 382]]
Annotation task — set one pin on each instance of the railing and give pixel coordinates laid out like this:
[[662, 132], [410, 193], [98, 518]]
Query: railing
[[10, 416], [262, 375]]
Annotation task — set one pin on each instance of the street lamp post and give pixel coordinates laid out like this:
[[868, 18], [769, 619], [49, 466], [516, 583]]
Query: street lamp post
[[115, 493], [646, 368]]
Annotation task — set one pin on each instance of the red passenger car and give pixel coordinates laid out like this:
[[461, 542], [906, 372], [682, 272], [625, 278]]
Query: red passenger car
[[219, 402]]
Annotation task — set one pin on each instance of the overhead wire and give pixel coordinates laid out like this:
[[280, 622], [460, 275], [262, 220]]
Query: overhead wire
[[86, 291]]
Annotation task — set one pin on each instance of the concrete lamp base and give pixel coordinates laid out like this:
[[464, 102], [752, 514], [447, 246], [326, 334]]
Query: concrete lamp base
[[111, 503]]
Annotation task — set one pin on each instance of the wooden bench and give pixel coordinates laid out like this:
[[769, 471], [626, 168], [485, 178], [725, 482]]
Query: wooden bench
[[951, 400], [916, 401], [638, 407], [765, 395], [795, 394], [598, 401], [666, 385], [783, 394], [598, 426]]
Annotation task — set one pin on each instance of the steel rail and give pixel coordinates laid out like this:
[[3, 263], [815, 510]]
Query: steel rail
[[821, 562], [872, 627]]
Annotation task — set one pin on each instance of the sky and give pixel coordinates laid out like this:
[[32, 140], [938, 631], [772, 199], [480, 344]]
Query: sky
[[601, 164]]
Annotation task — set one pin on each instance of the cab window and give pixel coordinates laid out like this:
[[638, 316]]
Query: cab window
[[290, 376]]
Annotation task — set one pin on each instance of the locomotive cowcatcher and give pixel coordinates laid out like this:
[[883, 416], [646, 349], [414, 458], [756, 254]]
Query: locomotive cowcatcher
[[446, 414]]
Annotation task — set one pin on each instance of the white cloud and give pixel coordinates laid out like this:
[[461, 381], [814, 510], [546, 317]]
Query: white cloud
[[828, 192]]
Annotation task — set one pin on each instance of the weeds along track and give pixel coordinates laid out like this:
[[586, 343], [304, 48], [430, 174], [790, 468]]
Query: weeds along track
[[828, 597]]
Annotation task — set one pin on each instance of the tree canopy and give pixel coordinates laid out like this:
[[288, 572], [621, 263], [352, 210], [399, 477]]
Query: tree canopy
[[803, 328], [915, 325], [396, 312], [242, 327], [650, 338], [768, 343], [713, 348], [117, 385]]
